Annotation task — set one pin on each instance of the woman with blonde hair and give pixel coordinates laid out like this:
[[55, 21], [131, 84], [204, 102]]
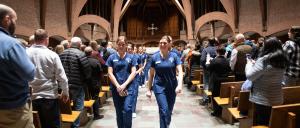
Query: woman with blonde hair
[[122, 71]]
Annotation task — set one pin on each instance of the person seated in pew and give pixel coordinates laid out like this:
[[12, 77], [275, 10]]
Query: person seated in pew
[[218, 69], [266, 74]]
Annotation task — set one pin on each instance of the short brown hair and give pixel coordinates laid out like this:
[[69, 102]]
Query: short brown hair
[[40, 34]]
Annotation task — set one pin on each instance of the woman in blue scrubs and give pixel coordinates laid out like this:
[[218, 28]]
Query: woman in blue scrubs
[[136, 81], [165, 84], [121, 71]]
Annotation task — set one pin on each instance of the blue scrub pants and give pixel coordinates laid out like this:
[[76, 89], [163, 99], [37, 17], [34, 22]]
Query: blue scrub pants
[[165, 101], [136, 92], [146, 71], [123, 106]]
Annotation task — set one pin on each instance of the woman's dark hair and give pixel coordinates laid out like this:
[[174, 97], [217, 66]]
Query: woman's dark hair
[[212, 41], [197, 46], [221, 50], [295, 30], [273, 47]]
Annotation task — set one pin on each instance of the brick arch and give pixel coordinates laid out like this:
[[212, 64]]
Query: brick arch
[[93, 19], [286, 24], [214, 16]]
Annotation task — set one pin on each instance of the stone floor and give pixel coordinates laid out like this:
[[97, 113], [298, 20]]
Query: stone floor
[[187, 114]]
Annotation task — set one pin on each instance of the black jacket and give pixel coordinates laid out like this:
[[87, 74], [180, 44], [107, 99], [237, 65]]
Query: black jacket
[[77, 68], [218, 70]]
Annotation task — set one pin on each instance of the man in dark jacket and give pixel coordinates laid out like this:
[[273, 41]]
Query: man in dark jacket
[[94, 82], [218, 69], [78, 71]]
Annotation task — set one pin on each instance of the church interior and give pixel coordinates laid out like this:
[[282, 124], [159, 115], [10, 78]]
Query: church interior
[[189, 23]]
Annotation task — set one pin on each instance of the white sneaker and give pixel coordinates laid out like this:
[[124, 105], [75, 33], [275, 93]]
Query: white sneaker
[[134, 115], [143, 85]]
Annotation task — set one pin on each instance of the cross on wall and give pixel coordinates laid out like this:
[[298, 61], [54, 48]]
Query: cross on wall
[[152, 29]]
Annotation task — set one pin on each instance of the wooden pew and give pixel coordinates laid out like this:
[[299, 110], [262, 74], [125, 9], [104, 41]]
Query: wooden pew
[[67, 115], [209, 93], [290, 96], [284, 116], [244, 105], [102, 98], [223, 99]]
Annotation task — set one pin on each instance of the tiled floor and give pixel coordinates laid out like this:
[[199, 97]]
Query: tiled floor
[[187, 114]]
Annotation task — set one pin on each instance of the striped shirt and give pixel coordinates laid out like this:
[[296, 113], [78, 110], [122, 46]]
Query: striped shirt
[[266, 82], [292, 51]]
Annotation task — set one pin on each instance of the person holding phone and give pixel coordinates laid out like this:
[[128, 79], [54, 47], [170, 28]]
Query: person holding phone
[[165, 84], [121, 71], [266, 74]]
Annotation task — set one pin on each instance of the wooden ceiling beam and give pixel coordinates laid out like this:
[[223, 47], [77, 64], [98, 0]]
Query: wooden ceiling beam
[[124, 9], [180, 8]]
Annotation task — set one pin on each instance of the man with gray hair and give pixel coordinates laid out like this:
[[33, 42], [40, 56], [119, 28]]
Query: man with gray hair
[[65, 43], [238, 57], [78, 71], [16, 70]]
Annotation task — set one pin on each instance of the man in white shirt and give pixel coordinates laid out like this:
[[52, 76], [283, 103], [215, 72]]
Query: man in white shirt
[[238, 57], [49, 76]]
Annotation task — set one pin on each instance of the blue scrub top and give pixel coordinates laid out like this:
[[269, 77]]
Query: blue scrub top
[[143, 57], [138, 59], [165, 71], [174, 50], [121, 67]]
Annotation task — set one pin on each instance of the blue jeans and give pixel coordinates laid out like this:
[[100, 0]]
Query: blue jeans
[[49, 113], [165, 101], [123, 106], [78, 104]]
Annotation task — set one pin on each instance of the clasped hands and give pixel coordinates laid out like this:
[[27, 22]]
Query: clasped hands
[[122, 90]]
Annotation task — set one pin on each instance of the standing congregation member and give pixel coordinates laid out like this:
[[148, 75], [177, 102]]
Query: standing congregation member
[[78, 71], [218, 69], [16, 70], [165, 85], [48, 76], [94, 84], [121, 71], [238, 57], [292, 49], [266, 74]]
